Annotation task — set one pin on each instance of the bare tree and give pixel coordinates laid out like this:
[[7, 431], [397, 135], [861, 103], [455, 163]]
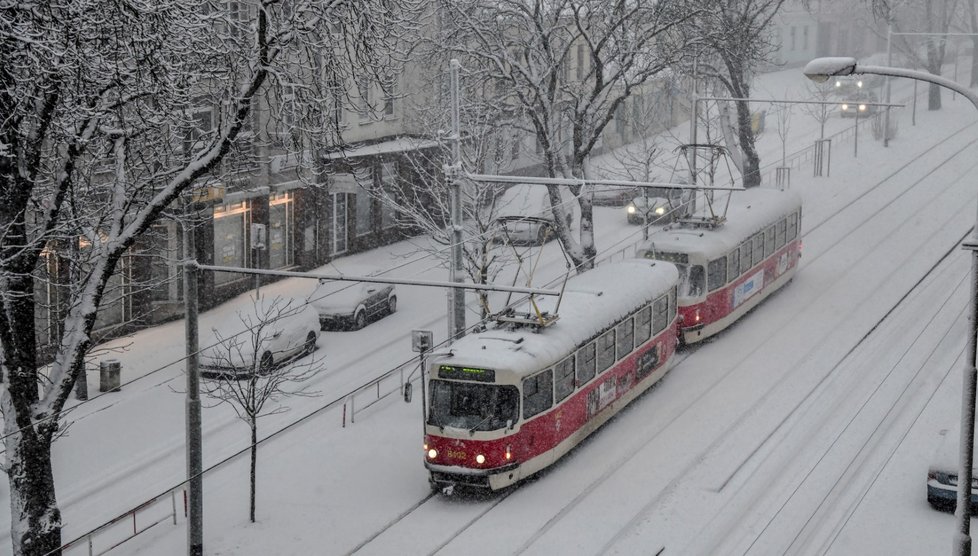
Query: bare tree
[[738, 36], [819, 112], [247, 380], [82, 80], [564, 69]]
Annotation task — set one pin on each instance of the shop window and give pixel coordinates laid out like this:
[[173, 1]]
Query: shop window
[[280, 223], [166, 248], [229, 240], [363, 203], [564, 378], [388, 210], [537, 393], [340, 226]]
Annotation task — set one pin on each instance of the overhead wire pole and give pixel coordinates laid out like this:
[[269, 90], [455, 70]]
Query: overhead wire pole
[[819, 70], [195, 465], [456, 321]]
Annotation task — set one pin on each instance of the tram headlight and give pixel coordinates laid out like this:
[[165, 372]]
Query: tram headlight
[[480, 459], [432, 453], [509, 454]]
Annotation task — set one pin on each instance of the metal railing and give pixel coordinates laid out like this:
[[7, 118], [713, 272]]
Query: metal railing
[[122, 535]]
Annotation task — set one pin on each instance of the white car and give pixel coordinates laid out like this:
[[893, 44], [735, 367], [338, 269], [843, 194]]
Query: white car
[[351, 305], [524, 214], [260, 337]]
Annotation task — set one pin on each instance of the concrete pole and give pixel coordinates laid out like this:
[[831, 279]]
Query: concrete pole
[[889, 62], [195, 467], [693, 109], [457, 317]]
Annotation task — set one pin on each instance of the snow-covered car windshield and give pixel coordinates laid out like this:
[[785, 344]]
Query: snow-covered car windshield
[[481, 407]]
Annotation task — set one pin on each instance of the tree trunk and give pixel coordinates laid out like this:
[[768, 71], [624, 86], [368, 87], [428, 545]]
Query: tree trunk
[[751, 161], [254, 463], [934, 97], [35, 519]]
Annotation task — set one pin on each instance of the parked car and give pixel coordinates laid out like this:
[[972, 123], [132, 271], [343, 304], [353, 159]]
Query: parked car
[[656, 209], [351, 305], [942, 475], [612, 196], [860, 102], [260, 337], [524, 214]]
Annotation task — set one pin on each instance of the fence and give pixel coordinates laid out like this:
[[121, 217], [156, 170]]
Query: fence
[[112, 533]]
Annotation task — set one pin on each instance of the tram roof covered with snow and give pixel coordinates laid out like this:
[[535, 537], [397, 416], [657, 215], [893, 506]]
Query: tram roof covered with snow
[[748, 212], [591, 303]]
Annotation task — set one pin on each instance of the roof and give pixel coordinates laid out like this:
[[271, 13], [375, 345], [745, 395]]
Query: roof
[[401, 144], [592, 302], [750, 211]]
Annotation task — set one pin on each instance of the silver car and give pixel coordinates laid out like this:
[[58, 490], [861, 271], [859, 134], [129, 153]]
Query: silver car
[[942, 475], [351, 305]]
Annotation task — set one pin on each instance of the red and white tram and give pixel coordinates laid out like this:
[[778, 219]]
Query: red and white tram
[[727, 266], [509, 401]]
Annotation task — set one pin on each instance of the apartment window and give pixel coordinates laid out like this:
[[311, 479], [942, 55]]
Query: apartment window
[[794, 38], [364, 88], [804, 37]]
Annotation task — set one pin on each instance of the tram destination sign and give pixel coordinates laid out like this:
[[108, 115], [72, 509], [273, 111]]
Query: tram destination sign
[[466, 373]]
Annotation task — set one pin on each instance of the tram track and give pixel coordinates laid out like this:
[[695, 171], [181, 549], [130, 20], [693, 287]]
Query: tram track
[[638, 447]]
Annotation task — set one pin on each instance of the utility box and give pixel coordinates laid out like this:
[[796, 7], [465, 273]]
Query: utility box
[[110, 372]]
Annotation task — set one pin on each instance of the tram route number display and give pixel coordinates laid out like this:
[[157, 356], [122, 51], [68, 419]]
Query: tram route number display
[[749, 287], [466, 373]]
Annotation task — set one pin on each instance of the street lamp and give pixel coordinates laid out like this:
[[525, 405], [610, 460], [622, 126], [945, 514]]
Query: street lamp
[[820, 70]]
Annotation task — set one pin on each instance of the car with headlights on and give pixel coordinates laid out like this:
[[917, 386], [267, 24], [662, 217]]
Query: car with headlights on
[[942, 474], [657, 210], [259, 337], [352, 305], [861, 103]]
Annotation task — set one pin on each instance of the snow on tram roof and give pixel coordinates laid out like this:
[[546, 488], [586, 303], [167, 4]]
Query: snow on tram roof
[[592, 301], [750, 211]]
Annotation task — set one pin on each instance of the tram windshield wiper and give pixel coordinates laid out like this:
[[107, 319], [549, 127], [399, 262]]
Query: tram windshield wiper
[[480, 423]]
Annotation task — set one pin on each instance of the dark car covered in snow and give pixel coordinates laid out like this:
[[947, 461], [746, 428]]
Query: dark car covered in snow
[[352, 305]]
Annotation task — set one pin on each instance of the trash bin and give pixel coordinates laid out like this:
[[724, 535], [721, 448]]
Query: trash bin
[[109, 375]]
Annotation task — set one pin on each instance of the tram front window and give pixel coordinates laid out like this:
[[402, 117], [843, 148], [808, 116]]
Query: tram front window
[[477, 407], [695, 281]]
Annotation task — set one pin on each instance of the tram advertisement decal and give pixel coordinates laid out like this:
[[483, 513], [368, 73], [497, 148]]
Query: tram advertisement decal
[[745, 290]]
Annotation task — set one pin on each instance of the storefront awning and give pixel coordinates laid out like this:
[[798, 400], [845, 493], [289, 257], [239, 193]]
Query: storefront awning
[[402, 144]]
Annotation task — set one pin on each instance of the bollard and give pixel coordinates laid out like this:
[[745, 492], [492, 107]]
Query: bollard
[[109, 375]]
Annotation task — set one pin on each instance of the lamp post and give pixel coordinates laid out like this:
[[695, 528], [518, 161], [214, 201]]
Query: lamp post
[[819, 70]]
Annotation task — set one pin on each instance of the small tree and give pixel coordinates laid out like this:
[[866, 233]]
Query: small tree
[[252, 380]]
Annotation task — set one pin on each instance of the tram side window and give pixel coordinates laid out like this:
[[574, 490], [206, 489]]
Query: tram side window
[[779, 234], [585, 363], [537, 393], [733, 265], [643, 325], [606, 350], [768, 242], [745, 253], [626, 337], [758, 249], [660, 314], [716, 274], [564, 378], [792, 226], [671, 309]]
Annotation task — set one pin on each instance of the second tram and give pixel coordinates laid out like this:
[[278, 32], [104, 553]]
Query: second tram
[[729, 265], [510, 401]]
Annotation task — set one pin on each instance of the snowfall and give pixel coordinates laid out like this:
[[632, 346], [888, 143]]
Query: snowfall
[[807, 427]]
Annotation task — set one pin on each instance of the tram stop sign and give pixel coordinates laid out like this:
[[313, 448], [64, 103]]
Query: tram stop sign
[[421, 340]]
